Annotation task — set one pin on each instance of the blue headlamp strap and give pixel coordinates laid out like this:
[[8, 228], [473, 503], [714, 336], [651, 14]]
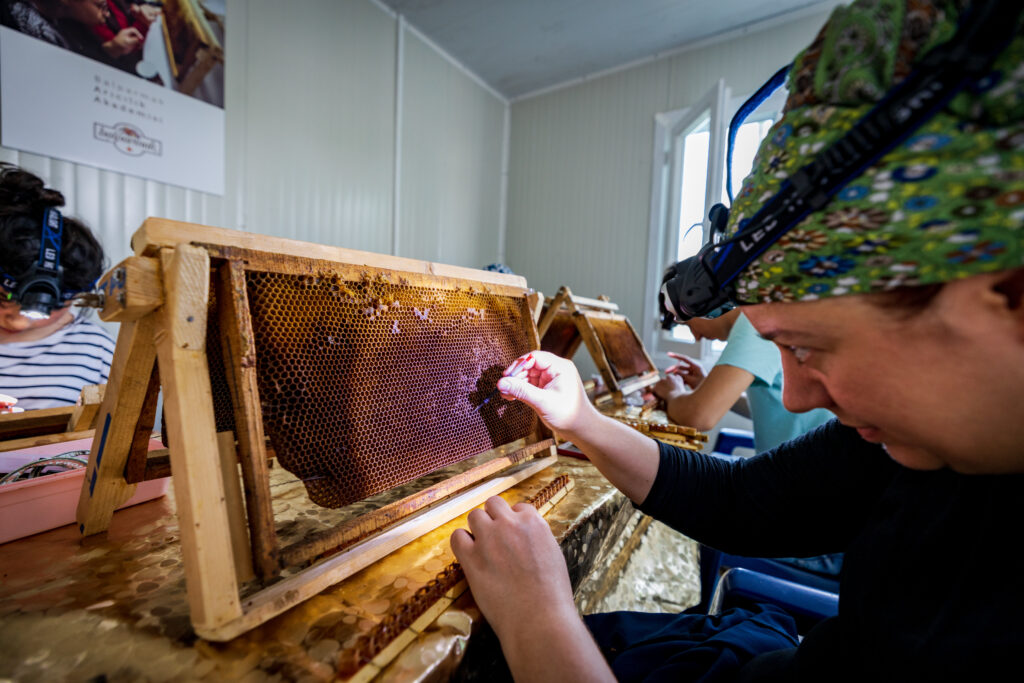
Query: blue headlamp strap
[[50, 242], [762, 94]]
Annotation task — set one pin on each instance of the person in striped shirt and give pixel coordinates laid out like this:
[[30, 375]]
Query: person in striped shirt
[[45, 363]]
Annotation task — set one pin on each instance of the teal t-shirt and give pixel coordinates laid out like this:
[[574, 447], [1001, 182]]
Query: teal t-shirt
[[773, 424]]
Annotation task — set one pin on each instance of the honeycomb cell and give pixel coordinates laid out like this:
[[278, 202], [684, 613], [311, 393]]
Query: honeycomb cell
[[366, 383]]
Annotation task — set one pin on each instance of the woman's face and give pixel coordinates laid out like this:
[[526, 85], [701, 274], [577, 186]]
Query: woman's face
[[939, 388], [88, 12], [14, 327]]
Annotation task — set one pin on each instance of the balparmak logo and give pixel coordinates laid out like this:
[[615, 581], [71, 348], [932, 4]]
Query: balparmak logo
[[128, 139]]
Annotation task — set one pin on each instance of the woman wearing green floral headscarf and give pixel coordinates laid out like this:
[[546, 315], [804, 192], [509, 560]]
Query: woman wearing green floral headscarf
[[899, 306]]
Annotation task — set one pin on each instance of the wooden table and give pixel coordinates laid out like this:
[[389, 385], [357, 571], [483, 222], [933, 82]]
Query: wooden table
[[115, 605]]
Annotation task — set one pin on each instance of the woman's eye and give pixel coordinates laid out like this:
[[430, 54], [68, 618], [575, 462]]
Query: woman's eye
[[800, 353]]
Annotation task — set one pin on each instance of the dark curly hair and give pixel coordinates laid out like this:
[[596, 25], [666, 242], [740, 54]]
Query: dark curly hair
[[23, 199]]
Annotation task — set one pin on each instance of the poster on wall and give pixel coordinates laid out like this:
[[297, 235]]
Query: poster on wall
[[133, 88]]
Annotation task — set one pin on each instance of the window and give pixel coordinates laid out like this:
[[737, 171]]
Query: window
[[690, 147]]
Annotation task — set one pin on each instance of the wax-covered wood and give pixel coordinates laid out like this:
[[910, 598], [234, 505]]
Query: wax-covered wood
[[239, 353]]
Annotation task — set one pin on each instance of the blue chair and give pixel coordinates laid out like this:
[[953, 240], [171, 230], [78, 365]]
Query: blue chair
[[807, 605], [729, 439]]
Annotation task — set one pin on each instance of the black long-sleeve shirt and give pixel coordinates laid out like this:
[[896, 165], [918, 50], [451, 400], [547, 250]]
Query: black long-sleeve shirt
[[932, 586]]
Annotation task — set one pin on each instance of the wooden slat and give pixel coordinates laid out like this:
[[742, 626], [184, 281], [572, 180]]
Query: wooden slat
[[599, 304], [35, 422], [131, 289], [554, 306], [104, 487], [288, 592], [195, 461], [84, 415], [44, 440], [138, 454], [158, 465], [240, 546], [239, 351], [160, 232], [604, 315], [593, 343], [371, 522], [536, 303]]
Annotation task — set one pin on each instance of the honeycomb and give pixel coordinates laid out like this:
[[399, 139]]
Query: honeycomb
[[368, 381], [622, 347]]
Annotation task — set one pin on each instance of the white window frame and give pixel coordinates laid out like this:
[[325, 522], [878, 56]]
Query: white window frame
[[663, 236], [670, 131]]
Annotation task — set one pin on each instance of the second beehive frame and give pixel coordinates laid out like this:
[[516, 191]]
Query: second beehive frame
[[584, 313]]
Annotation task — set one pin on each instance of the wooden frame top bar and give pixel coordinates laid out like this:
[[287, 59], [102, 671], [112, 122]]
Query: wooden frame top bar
[[157, 233]]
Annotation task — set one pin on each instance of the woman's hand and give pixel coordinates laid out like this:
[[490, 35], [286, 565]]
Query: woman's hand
[[145, 14], [669, 387], [514, 566], [126, 41], [687, 369], [520, 582], [552, 387]]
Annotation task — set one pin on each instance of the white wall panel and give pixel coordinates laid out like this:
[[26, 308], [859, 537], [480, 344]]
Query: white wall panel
[[579, 187], [319, 141], [451, 160]]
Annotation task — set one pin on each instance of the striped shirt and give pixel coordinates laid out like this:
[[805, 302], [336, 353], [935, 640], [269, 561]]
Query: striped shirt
[[51, 372]]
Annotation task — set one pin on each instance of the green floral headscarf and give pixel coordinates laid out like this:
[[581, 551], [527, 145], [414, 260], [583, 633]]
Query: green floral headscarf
[[946, 204]]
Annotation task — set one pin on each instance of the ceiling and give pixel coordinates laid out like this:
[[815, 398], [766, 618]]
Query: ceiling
[[519, 47]]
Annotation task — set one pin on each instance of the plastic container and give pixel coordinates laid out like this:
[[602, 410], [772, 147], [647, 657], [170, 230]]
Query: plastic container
[[35, 505]]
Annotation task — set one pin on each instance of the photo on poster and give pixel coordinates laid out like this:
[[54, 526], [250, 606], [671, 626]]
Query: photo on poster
[[131, 87]]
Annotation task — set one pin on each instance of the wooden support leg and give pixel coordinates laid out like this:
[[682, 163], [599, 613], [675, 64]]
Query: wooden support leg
[[240, 547], [195, 461], [240, 363], [135, 468], [590, 338], [104, 487]]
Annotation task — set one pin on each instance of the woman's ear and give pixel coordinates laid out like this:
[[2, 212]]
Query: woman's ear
[[1011, 288]]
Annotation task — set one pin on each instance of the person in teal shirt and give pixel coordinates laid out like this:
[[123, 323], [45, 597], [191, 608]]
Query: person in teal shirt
[[748, 364]]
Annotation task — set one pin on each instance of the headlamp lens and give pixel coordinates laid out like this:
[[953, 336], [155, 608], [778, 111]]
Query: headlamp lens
[[38, 305]]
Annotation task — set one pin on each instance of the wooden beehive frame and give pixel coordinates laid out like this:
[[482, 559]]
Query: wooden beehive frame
[[583, 312], [161, 298], [52, 425]]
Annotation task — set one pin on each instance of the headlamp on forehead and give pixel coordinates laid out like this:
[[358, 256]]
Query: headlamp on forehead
[[40, 289], [705, 285]]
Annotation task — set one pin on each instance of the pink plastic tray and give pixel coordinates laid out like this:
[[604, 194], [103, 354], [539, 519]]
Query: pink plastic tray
[[44, 503]]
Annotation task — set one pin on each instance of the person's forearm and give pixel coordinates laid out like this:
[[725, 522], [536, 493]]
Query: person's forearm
[[687, 410], [627, 458], [560, 650]]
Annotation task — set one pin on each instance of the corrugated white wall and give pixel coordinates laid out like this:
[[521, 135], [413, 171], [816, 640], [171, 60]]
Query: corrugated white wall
[[451, 160], [311, 91], [579, 188]]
